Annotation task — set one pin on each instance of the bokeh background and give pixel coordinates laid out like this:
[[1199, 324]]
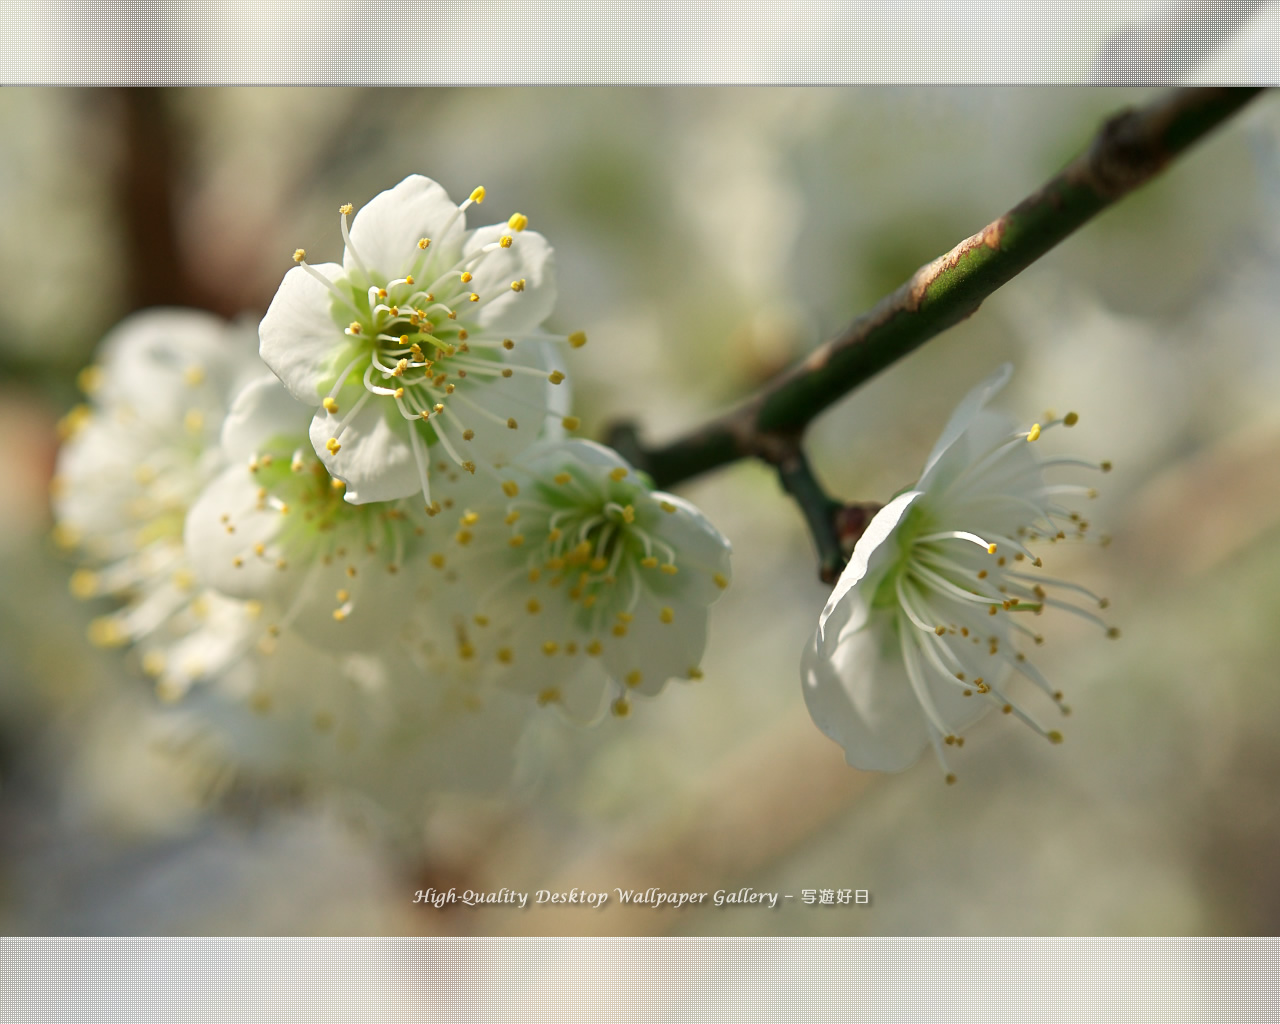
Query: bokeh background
[[705, 239]]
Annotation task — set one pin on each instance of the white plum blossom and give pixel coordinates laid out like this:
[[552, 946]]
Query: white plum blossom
[[273, 527], [923, 629], [133, 461], [572, 580], [426, 339]]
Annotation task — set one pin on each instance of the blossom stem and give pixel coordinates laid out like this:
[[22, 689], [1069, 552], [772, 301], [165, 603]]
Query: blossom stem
[[820, 511], [1130, 149]]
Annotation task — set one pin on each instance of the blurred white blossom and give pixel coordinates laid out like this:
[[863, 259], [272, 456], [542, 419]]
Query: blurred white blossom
[[133, 460]]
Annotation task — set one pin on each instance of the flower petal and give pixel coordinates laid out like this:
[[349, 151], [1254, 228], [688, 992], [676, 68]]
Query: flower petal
[[386, 229], [529, 260], [878, 531], [263, 411], [299, 339], [968, 409], [223, 528], [375, 461]]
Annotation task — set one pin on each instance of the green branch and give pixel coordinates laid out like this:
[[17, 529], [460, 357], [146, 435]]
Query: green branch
[[1131, 148]]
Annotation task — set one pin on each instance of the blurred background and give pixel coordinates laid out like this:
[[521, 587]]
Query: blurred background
[[705, 239]]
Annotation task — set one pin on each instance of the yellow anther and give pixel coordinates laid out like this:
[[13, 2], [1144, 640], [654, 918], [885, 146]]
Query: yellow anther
[[84, 584], [354, 327], [330, 405], [504, 655], [437, 560], [549, 647], [398, 393], [466, 652], [556, 563], [107, 632], [259, 549], [554, 534], [535, 574], [89, 379], [951, 779], [533, 607], [193, 421], [470, 518], [1055, 736], [510, 488], [667, 507], [582, 549], [551, 695], [339, 614], [153, 663], [517, 286], [695, 672], [517, 222], [562, 478], [507, 372], [589, 600], [193, 375], [401, 366], [345, 209], [720, 580], [466, 276], [332, 446], [619, 629], [299, 255], [237, 562], [1113, 632], [991, 549], [511, 423], [423, 243], [599, 563], [477, 194], [571, 423], [337, 484], [668, 568], [1106, 467], [649, 563], [463, 537], [594, 648], [577, 339], [408, 279], [621, 707], [470, 467], [629, 514], [1034, 433], [505, 241], [625, 617], [322, 721], [516, 540], [512, 516], [634, 678], [667, 615], [351, 571], [556, 377], [1070, 419], [473, 297]]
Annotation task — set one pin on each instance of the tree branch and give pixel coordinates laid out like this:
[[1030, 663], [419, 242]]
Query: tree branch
[[1131, 148]]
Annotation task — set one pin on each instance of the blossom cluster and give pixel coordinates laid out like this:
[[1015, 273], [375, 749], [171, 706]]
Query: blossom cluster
[[365, 549]]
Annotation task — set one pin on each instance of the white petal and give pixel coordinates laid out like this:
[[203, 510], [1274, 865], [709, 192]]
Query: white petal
[[300, 340], [386, 229], [529, 259], [374, 460], [213, 551], [378, 599], [262, 412], [657, 650], [969, 407], [878, 531]]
